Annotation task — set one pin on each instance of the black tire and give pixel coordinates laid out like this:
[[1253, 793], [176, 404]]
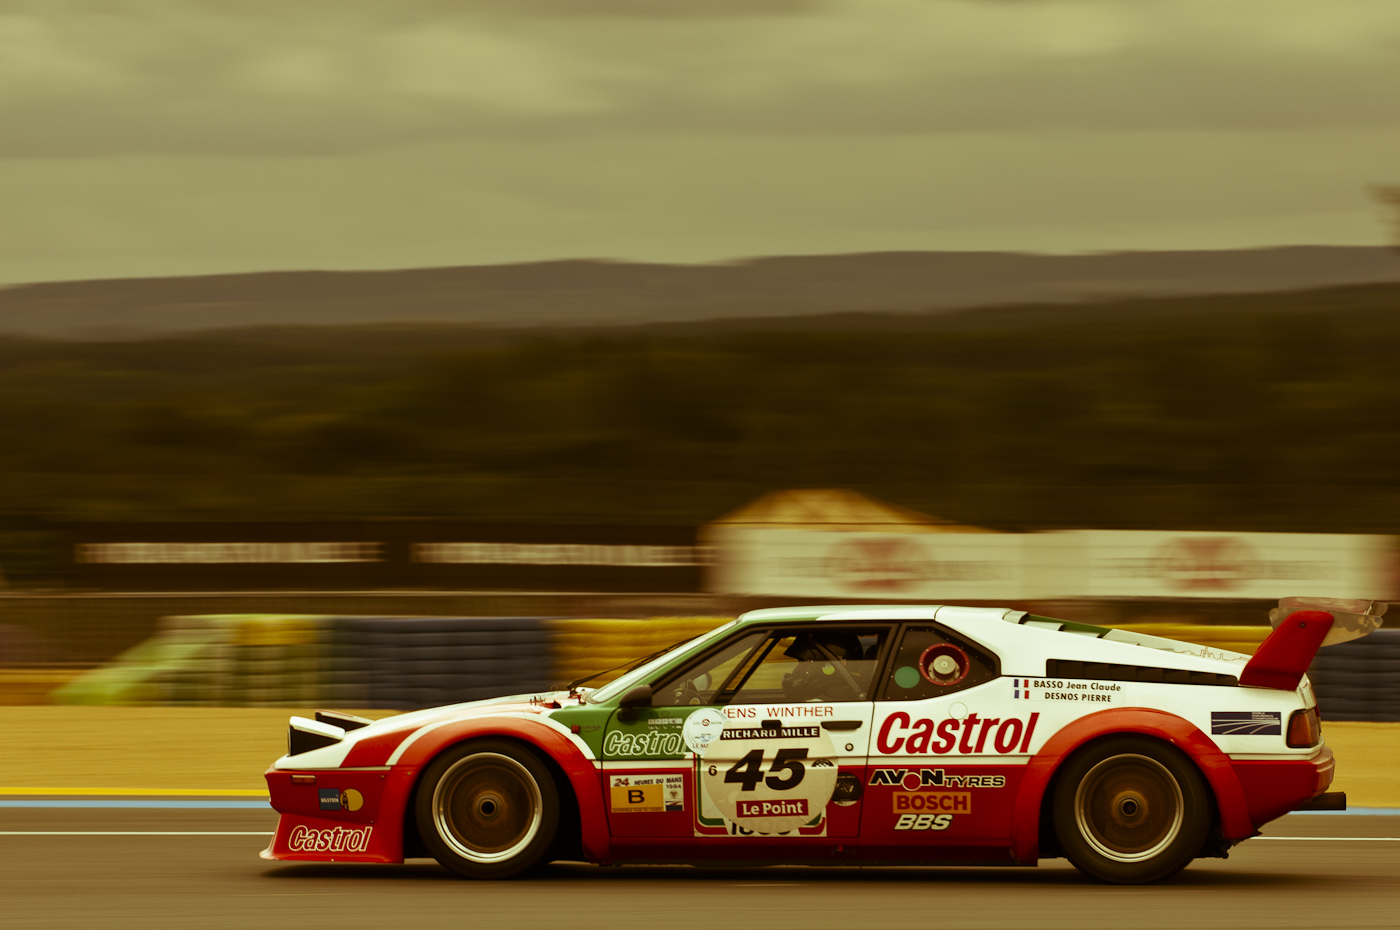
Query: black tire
[[1130, 810], [488, 808]]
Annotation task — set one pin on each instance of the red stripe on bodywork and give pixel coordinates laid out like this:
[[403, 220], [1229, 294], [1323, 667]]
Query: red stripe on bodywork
[[582, 774], [1201, 749], [1284, 655], [376, 749], [1275, 788]]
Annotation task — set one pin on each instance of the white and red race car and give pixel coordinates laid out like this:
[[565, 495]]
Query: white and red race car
[[843, 735]]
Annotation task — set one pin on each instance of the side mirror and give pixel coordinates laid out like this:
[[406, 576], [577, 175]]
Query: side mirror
[[639, 696]]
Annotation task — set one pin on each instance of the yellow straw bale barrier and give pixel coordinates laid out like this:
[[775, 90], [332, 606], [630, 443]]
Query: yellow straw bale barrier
[[582, 647]]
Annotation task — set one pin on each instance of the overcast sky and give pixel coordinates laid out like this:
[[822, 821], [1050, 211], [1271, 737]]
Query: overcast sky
[[159, 137]]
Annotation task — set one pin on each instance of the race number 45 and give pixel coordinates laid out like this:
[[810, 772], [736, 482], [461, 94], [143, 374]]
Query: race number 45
[[785, 773]]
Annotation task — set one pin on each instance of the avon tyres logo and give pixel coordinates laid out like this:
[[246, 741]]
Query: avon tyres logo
[[914, 779], [333, 839], [971, 735], [1246, 723], [648, 745]]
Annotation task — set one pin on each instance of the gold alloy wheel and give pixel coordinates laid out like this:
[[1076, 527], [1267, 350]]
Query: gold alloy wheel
[[487, 807], [1129, 808]]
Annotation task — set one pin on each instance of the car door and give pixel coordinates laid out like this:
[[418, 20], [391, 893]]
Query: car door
[[650, 780], [948, 752], [776, 724]]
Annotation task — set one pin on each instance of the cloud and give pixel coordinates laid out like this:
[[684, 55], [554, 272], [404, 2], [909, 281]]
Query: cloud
[[653, 9], [253, 76], [494, 70]]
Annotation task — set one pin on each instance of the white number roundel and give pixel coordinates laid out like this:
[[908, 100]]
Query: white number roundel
[[770, 779]]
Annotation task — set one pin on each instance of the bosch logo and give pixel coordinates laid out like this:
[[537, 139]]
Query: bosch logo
[[953, 802]]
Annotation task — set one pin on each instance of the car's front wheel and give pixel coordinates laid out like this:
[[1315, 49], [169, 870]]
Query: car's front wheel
[[1130, 809], [487, 809]]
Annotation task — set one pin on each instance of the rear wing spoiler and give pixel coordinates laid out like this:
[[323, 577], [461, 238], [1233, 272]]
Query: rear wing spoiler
[[1303, 625]]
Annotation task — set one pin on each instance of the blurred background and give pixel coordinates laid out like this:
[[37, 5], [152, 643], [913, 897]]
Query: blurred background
[[452, 350]]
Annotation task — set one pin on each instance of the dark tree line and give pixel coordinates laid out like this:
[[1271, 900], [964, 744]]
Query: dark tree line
[[1269, 412]]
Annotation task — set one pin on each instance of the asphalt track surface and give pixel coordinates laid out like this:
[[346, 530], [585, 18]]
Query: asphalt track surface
[[199, 868]]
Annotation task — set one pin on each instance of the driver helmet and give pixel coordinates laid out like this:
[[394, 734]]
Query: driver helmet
[[843, 644]]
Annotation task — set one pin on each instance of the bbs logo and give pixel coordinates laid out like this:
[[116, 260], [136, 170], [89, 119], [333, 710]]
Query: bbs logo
[[923, 822]]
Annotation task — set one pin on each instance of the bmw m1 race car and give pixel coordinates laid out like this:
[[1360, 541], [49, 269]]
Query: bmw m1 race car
[[843, 735]]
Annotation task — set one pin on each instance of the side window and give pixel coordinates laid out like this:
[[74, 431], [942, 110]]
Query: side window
[[699, 683], [816, 664], [931, 662]]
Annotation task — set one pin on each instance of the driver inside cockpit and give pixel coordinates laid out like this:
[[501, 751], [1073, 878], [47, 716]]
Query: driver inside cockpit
[[829, 667]]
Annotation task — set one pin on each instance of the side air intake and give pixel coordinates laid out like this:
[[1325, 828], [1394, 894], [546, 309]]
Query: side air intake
[[1103, 671], [304, 735]]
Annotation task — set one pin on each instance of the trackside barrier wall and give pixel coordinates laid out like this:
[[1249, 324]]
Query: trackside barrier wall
[[1359, 680], [218, 660], [410, 662], [394, 663]]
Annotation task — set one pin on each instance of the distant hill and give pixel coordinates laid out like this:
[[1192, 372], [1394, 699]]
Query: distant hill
[[590, 293]]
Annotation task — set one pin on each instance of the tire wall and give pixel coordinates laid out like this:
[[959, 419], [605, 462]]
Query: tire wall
[[1359, 680]]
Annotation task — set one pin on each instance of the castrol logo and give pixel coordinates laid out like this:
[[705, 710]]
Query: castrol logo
[[970, 735], [331, 839]]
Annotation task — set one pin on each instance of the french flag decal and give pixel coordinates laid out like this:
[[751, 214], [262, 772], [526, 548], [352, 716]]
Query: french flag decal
[[1020, 689]]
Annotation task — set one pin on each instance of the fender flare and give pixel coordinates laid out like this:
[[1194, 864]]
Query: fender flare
[[556, 746], [1213, 764]]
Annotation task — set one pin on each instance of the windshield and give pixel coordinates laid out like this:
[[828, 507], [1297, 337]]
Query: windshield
[[639, 674]]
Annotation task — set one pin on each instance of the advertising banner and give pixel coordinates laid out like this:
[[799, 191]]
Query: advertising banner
[[949, 567], [386, 554], [1263, 566], [868, 565]]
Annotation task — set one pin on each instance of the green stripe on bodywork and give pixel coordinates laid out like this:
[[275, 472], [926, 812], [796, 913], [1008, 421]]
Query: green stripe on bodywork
[[590, 720], [1069, 626]]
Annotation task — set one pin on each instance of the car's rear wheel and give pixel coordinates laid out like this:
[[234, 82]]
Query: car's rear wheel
[[488, 809], [1130, 810]]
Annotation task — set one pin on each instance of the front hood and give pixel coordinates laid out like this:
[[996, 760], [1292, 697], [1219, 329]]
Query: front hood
[[417, 718], [333, 756]]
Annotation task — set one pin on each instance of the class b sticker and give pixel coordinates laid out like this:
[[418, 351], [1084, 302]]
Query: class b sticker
[[1067, 690], [646, 794]]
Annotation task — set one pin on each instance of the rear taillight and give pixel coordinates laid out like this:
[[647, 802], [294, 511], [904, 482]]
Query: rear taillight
[[1304, 729]]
